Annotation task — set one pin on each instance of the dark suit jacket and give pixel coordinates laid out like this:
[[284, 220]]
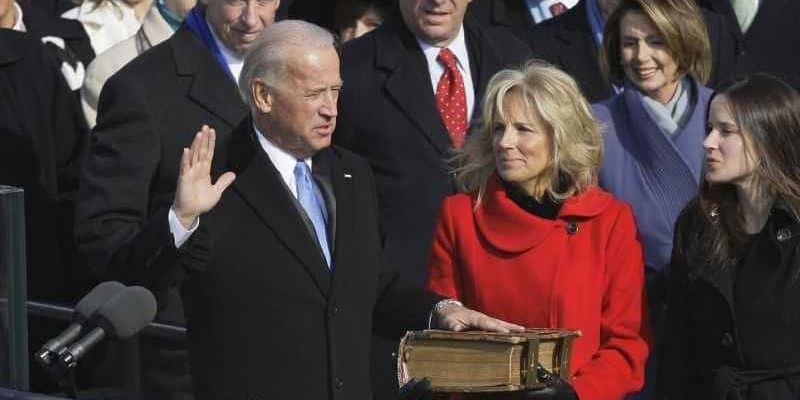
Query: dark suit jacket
[[42, 136], [147, 113], [567, 42], [509, 14], [768, 46], [267, 318]]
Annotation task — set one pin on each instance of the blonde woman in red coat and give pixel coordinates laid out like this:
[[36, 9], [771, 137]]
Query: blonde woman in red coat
[[534, 241]]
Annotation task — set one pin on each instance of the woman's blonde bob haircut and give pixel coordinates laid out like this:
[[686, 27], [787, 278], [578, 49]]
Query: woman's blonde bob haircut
[[574, 134], [680, 23]]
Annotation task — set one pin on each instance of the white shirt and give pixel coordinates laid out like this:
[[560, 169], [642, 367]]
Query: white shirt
[[459, 48], [540, 9], [235, 62], [19, 26], [283, 162]]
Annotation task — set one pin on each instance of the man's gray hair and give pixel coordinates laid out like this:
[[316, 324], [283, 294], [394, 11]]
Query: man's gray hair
[[266, 59]]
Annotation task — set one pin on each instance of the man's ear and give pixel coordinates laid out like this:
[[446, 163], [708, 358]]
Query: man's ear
[[262, 95]]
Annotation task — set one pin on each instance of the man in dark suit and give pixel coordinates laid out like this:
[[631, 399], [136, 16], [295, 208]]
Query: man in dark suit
[[573, 41], [284, 270], [147, 113], [761, 37], [390, 116]]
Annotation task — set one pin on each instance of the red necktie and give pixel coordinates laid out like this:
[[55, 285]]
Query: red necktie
[[557, 9], [451, 99]]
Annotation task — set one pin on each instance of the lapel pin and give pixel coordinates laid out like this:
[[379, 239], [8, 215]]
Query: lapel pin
[[348, 176]]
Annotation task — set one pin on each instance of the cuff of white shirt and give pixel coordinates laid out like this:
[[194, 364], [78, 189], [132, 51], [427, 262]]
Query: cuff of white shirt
[[180, 234]]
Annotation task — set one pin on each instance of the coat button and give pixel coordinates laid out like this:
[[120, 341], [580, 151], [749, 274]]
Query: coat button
[[335, 310], [727, 339], [339, 383], [783, 235], [572, 227]]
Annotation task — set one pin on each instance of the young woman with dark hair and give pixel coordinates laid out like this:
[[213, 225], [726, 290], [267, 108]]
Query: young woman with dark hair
[[734, 293]]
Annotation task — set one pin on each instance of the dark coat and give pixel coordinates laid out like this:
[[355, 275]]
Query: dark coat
[[42, 136], [769, 44], [508, 14], [388, 115], [567, 41], [267, 318], [148, 112], [712, 330]]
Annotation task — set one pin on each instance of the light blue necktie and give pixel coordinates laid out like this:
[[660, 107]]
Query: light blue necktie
[[310, 198]]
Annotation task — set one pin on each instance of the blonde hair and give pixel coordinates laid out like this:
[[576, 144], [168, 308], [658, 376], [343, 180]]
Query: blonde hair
[[574, 133], [680, 23]]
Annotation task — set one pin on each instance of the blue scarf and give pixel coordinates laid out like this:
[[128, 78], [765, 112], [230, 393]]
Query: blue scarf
[[196, 22]]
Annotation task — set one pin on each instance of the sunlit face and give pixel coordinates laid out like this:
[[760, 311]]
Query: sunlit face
[[363, 25], [727, 160], [522, 146], [646, 59], [301, 112], [437, 22], [238, 23]]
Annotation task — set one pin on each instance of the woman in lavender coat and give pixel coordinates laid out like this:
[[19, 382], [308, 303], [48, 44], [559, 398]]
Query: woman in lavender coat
[[658, 53]]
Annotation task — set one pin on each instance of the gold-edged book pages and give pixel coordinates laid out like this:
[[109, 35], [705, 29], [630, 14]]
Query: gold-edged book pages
[[477, 361]]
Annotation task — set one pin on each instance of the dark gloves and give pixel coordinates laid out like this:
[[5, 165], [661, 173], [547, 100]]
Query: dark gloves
[[416, 389], [561, 390], [557, 389]]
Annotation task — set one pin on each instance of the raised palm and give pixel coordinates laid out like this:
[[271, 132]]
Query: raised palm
[[195, 193]]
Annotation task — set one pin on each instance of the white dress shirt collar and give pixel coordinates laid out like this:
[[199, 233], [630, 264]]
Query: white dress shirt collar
[[283, 161], [459, 48], [235, 61]]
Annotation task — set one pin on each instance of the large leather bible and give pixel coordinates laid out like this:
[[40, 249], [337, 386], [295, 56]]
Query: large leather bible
[[464, 362]]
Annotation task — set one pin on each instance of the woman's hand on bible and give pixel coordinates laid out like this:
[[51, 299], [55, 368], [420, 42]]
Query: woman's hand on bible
[[458, 318]]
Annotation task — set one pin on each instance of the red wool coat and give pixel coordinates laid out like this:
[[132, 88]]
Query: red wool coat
[[505, 262]]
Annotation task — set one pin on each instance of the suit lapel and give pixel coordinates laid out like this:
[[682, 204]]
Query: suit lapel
[[408, 84], [262, 188], [342, 183], [484, 61], [211, 86], [323, 172]]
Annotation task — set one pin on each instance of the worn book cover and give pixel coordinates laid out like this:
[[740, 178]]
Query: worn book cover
[[478, 361]]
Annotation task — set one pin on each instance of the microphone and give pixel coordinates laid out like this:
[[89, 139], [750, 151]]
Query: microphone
[[121, 317], [83, 310]]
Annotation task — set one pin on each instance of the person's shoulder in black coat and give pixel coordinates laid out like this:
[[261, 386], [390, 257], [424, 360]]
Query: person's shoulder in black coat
[[568, 42], [512, 15]]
